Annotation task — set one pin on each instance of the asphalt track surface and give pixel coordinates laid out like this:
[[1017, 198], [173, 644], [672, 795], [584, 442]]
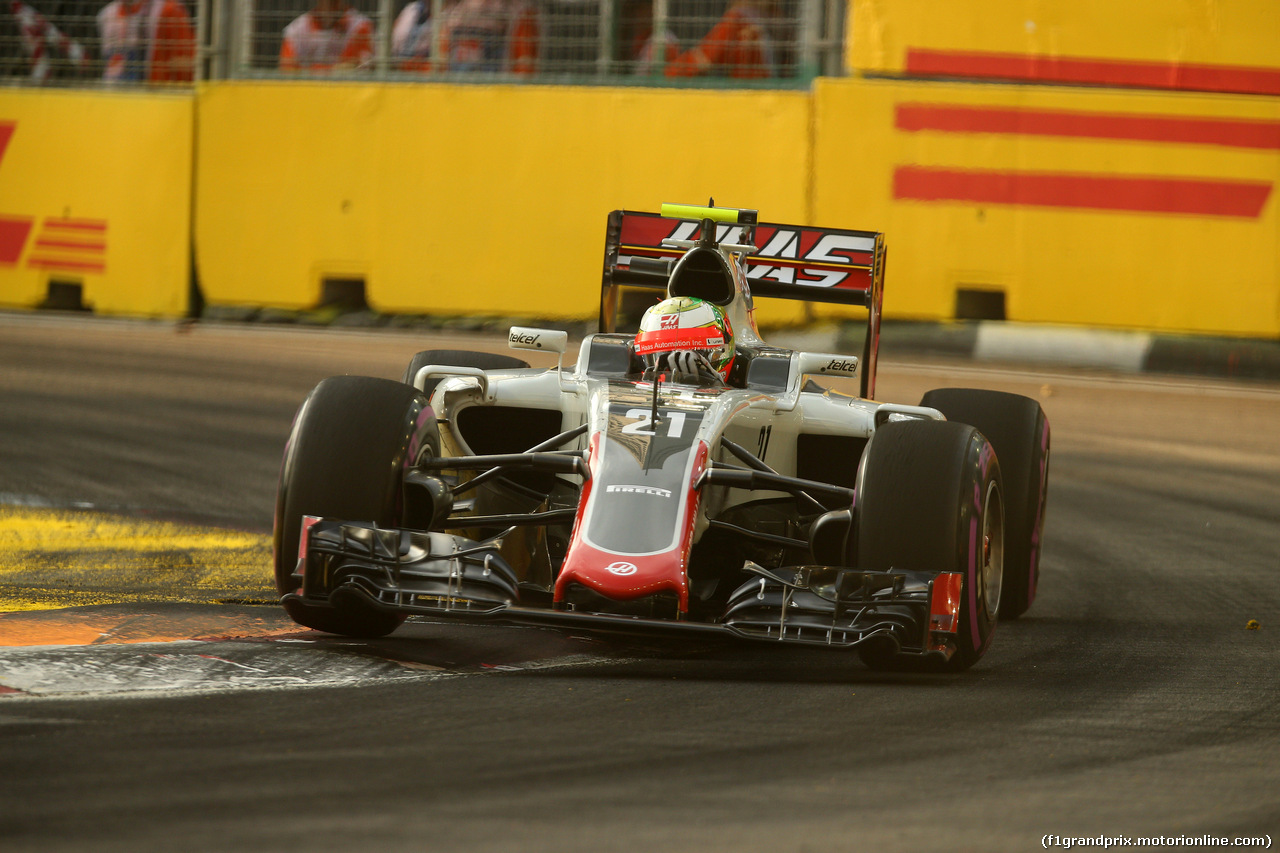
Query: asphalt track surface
[[1132, 700]]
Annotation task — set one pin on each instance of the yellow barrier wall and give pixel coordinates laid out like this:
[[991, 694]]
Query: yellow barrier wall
[[467, 199], [1098, 207], [1052, 176], [1222, 45], [95, 188]]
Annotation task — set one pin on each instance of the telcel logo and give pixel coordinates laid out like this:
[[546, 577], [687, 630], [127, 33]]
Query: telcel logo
[[522, 338], [621, 568], [838, 366]]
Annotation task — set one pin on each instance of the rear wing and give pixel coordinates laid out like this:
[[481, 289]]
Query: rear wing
[[831, 265]]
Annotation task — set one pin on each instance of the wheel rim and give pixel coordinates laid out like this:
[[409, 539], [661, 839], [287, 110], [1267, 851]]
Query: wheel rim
[[1037, 534], [992, 545], [1044, 496]]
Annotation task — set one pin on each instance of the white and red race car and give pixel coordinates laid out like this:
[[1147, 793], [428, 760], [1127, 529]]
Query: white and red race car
[[599, 497]]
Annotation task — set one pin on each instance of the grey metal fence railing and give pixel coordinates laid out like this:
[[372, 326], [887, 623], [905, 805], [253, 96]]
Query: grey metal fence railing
[[644, 42], [77, 42]]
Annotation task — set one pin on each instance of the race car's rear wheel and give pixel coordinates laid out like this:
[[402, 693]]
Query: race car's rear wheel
[[929, 500], [457, 358], [351, 441], [1018, 429]]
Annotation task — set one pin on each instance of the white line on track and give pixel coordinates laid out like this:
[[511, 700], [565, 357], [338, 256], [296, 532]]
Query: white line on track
[[1200, 386], [188, 668]]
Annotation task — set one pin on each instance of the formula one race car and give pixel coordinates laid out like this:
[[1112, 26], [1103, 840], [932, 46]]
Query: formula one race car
[[689, 480]]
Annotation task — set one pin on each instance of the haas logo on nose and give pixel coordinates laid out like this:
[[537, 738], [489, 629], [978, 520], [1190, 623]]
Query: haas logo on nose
[[621, 568]]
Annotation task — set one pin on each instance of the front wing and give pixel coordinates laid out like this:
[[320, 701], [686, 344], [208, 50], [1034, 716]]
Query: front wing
[[451, 577]]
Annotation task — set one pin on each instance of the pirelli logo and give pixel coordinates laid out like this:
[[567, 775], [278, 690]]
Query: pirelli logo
[[640, 490]]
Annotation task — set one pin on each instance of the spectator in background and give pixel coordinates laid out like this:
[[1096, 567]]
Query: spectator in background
[[42, 42], [639, 40], [413, 36], [148, 41], [738, 46], [492, 35], [331, 36], [522, 37]]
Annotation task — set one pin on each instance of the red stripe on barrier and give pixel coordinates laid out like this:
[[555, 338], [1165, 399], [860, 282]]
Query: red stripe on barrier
[[1235, 133], [13, 237], [1204, 197], [6, 133], [1247, 80], [60, 264], [76, 224], [44, 243]]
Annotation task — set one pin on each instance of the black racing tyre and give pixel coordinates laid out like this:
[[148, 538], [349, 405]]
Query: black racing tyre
[[458, 358], [929, 500], [1018, 429], [351, 441]]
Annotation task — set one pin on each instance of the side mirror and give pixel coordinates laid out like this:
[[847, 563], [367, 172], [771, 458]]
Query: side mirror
[[523, 337], [550, 340], [827, 364]]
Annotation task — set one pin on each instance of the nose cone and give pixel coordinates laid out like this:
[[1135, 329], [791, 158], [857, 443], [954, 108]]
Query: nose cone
[[625, 577], [632, 541]]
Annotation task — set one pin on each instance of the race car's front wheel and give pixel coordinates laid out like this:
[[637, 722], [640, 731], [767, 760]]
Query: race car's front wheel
[[351, 441], [1018, 429], [929, 500]]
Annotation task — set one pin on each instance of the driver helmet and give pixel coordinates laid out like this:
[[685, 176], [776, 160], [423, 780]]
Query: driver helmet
[[686, 323]]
